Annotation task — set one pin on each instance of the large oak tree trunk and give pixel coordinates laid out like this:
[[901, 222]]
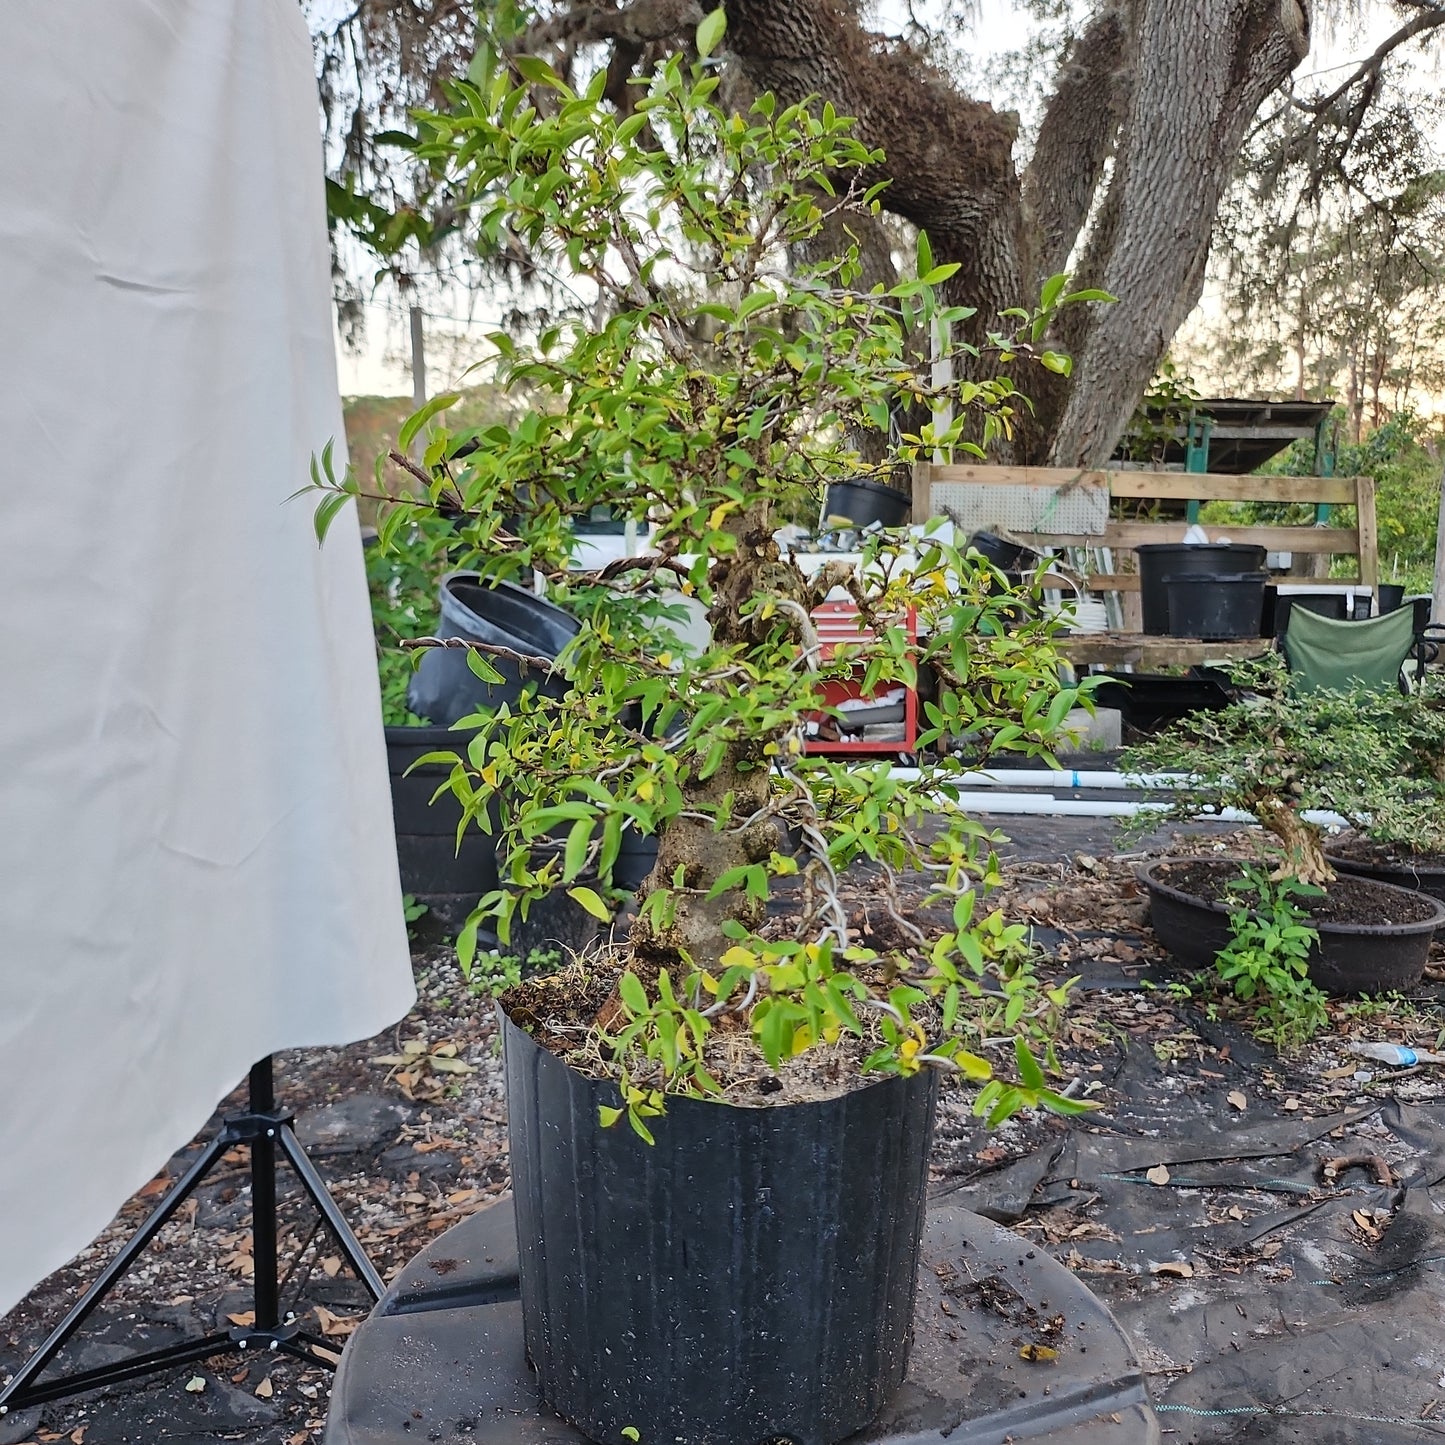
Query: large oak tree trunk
[[1163, 88]]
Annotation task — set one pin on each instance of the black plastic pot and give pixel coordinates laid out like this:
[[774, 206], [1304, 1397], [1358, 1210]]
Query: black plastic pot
[[1149, 700], [447, 879], [1214, 605], [865, 502], [1349, 958], [1277, 608], [444, 688], [1158, 560], [1004, 555], [1390, 595], [749, 1278]]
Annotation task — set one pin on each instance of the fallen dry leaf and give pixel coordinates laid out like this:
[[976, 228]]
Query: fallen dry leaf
[[195, 1384], [245, 1319], [1038, 1354], [1235, 1212], [77, 1436], [333, 1324], [1271, 1249], [1236, 1099], [1291, 1105], [1158, 1175], [331, 1266], [1174, 1268], [265, 1389]]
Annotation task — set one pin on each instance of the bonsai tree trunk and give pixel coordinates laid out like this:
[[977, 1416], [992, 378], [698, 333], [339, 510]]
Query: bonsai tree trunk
[[740, 787], [1303, 855]]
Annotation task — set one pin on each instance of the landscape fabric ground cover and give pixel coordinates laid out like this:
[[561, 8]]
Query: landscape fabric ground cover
[[1266, 1228]]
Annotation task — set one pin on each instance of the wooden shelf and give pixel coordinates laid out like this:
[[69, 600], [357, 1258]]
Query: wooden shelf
[[1148, 652]]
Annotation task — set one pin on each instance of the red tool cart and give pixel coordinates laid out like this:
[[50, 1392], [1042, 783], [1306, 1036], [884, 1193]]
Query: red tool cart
[[839, 624]]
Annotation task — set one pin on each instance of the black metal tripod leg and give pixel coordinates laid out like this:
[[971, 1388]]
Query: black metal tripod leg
[[185, 1352], [81, 1309], [315, 1186]]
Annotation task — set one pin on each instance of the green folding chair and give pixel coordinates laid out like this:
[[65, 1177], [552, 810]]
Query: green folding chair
[[1324, 653]]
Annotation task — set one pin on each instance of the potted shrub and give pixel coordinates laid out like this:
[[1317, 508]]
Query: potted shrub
[[720, 1121], [1280, 754], [1399, 823]]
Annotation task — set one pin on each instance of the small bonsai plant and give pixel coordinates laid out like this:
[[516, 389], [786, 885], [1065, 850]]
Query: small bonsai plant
[[707, 382], [1279, 754]]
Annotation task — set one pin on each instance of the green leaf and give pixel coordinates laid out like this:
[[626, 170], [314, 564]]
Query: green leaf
[[711, 31], [1056, 362], [607, 1116], [596, 907], [418, 419], [326, 512], [1053, 289], [1028, 1066], [630, 988]]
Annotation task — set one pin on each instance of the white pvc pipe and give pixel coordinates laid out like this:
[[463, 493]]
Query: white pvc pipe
[[1065, 778], [1045, 804]]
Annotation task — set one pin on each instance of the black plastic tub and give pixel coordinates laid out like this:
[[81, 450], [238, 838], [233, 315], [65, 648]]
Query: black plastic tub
[[448, 879], [1158, 560], [1149, 700], [864, 503], [1348, 959], [444, 687], [1389, 597], [1277, 608], [747, 1279], [1215, 605], [1004, 555]]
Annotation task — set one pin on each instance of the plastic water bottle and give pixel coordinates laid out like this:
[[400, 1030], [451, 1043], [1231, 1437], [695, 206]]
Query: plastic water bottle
[[1396, 1054]]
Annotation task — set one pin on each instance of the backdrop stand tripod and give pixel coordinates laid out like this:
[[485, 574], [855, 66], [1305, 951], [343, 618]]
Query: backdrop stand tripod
[[265, 1129]]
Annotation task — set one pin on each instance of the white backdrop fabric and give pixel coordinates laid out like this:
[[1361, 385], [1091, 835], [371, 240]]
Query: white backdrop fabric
[[197, 864]]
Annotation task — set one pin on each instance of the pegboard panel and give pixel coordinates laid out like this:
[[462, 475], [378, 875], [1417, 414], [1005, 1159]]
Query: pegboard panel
[[983, 507]]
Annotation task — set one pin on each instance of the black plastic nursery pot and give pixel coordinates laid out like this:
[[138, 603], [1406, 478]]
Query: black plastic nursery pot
[[748, 1279], [1004, 555], [1215, 605], [1390, 595], [444, 687], [1277, 607], [1158, 560], [448, 879], [864, 503], [1349, 957]]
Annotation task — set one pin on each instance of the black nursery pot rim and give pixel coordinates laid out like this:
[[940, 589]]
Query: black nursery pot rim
[[1413, 863], [1149, 874]]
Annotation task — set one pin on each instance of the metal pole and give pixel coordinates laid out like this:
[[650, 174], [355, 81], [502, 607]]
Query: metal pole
[[266, 1276], [1437, 607], [418, 359]]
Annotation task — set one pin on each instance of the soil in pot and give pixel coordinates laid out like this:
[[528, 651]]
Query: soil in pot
[[750, 1277], [1388, 863], [1373, 937]]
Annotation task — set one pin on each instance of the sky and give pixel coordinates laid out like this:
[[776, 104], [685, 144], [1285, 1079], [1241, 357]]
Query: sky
[[456, 321]]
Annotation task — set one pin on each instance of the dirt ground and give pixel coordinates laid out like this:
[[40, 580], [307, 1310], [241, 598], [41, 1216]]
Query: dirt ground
[[409, 1129]]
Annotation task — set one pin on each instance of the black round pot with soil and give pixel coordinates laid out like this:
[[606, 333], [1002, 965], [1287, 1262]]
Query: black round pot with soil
[[1388, 863], [1373, 937], [748, 1278]]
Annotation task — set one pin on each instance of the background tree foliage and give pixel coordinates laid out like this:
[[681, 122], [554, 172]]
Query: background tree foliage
[[1151, 107]]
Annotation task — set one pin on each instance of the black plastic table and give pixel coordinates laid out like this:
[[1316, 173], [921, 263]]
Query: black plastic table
[[441, 1357]]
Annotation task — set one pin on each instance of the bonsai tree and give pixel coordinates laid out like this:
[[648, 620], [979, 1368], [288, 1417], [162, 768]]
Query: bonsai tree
[[711, 382], [1279, 753]]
